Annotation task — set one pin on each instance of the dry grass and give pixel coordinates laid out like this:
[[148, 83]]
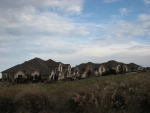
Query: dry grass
[[108, 94]]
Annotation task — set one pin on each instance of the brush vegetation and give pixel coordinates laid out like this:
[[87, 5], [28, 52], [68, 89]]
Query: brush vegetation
[[107, 94]]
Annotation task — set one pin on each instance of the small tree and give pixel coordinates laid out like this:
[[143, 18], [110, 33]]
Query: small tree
[[110, 72], [122, 70]]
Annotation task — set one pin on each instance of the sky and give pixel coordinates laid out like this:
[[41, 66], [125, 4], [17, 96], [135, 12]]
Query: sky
[[74, 31]]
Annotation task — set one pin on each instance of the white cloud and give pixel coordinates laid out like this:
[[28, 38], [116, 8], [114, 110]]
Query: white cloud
[[144, 17], [101, 54], [123, 31], [109, 1], [67, 6], [28, 29], [147, 1], [124, 11], [29, 22]]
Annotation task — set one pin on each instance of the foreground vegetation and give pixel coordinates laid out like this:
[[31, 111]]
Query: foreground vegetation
[[107, 94]]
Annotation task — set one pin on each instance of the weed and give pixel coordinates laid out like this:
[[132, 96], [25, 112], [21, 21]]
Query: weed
[[6, 105], [106, 94], [34, 101], [119, 102], [144, 102], [83, 102]]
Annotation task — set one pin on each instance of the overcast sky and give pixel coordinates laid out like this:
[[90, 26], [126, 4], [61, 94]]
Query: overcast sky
[[74, 31]]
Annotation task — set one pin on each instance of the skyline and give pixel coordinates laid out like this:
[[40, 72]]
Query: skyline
[[74, 31]]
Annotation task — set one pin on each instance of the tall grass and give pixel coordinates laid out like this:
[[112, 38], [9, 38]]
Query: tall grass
[[107, 94]]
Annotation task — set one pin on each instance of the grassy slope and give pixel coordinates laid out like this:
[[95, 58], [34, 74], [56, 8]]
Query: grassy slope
[[116, 93]]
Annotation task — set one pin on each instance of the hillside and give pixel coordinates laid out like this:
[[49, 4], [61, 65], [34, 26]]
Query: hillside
[[117, 93]]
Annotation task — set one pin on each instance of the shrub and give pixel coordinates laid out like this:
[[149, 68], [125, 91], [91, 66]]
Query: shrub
[[109, 72], [33, 101], [86, 102], [144, 103], [6, 105], [119, 102]]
